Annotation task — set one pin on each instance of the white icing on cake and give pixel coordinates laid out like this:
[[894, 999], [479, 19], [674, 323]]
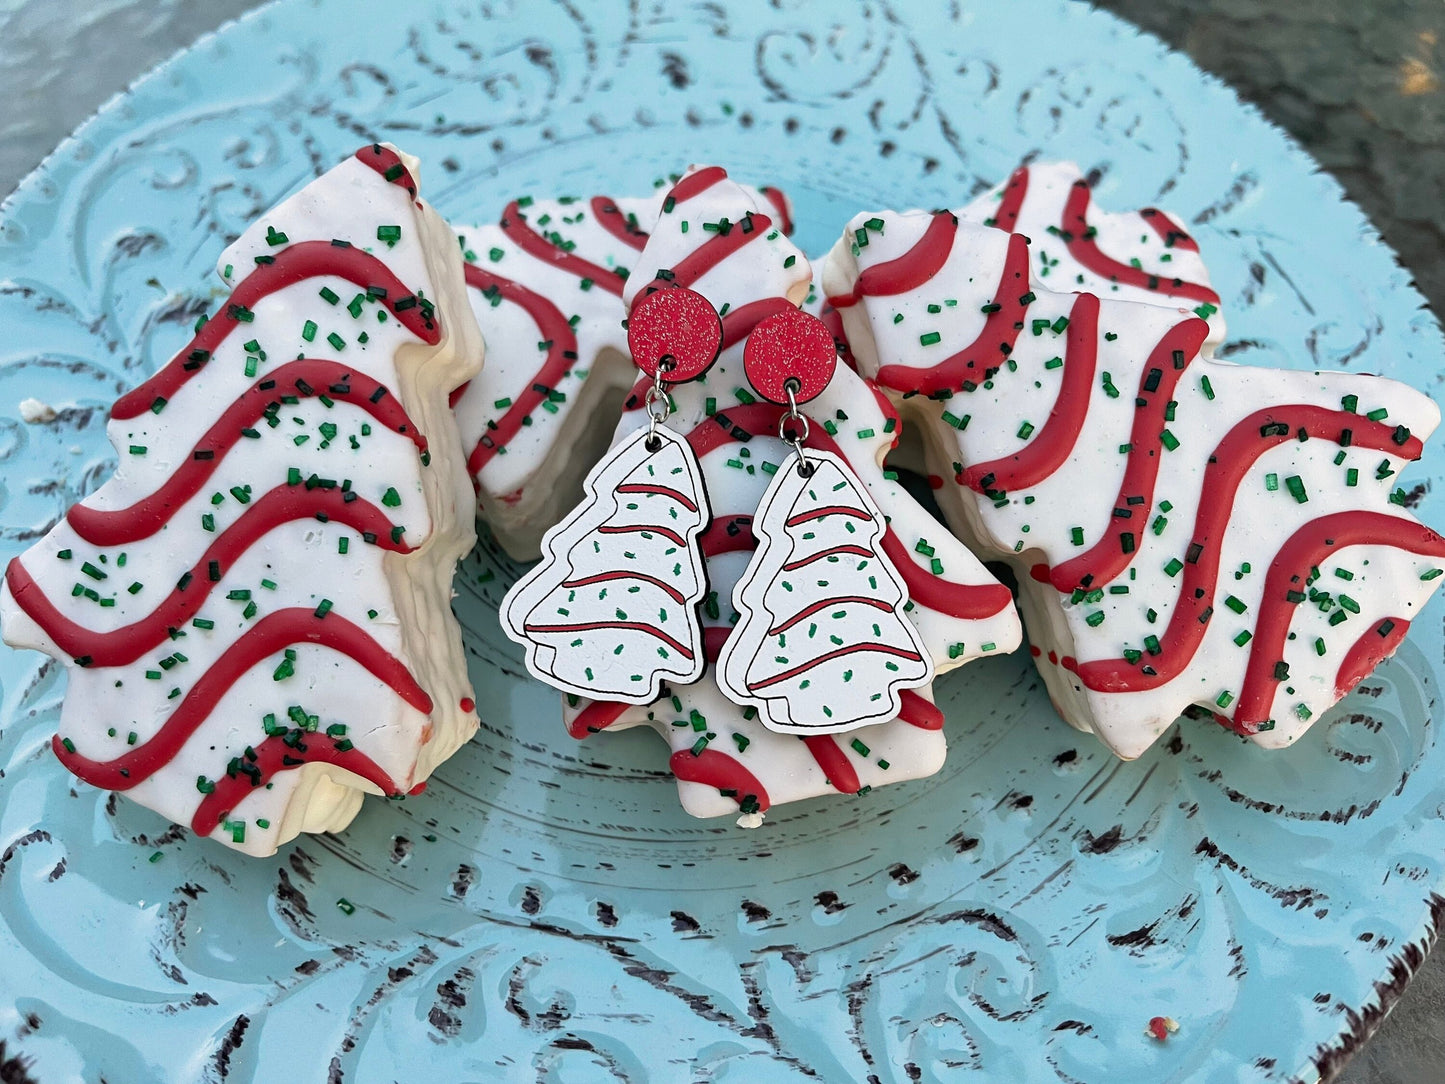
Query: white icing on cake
[[264, 569], [1163, 510]]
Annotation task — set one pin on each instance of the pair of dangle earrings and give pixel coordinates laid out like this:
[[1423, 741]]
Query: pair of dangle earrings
[[820, 643]]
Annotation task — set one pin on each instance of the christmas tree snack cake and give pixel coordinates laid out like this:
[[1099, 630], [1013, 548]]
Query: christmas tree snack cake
[[255, 608], [881, 589], [1190, 536], [546, 283]]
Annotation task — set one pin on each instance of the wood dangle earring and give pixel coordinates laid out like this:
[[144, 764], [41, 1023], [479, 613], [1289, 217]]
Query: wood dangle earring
[[822, 644], [611, 611]]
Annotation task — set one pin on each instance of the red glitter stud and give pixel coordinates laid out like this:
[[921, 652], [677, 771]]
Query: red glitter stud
[[790, 345], [677, 324]]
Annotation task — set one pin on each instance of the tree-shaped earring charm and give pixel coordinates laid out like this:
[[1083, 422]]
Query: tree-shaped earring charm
[[823, 643], [610, 612]]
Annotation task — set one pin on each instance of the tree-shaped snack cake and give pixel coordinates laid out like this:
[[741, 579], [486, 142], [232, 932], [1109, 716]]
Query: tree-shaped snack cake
[[717, 239], [1189, 534], [546, 286], [255, 609]]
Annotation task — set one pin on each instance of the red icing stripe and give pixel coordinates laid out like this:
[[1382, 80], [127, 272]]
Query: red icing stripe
[[1014, 193], [302, 379], [825, 604], [833, 321], [738, 323], [695, 184], [713, 638], [717, 248], [593, 626], [1312, 545], [728, 536], [969, 602], [610, 217], [837, 653], [780, 205], [714, 768], [1083, 247], [1233, 456], [835, 551], [1112, 553], [1056, 438], [1366, 653], [965, 601], [294, 263], [916, 710], [126, 644], [910, 271], [596, 716], [610, 577], [561, 356], [831, 510], [273, 756], [514, 224], [268, 636], [389, 164], [642, 528], [834, 762], [659, 491], [977, 361], [1173, 234]]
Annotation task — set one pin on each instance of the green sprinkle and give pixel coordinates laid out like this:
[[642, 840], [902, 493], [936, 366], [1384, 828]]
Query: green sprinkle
[[390, 234], [929, 338], [1271, 481], [1295, 484], [336, 341]]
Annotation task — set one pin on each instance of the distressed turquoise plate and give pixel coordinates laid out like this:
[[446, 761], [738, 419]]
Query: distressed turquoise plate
[[546, 911]]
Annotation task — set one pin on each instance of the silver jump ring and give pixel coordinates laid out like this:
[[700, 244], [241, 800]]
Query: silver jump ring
[[656, 402], [793, 428]]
